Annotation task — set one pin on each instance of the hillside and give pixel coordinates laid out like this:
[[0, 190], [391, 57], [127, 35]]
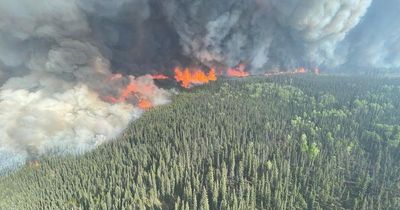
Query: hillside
[[287, 142]]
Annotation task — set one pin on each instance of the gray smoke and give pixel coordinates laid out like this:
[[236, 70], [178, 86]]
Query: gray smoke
[[265, 34], [375, 42], [58, 59], [56, 74]]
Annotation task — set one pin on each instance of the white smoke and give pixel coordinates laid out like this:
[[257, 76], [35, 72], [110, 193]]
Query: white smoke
[[70, 120], [265, 33], [375, 43], [55, 79], [321, 25]]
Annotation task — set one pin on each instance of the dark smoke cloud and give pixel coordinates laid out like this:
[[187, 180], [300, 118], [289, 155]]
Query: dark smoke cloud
[[265, 34], [56, 56], [56, 61]]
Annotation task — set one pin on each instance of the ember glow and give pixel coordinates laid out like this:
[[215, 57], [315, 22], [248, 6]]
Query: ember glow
[[159, 76], [145, 104], [239, 71], [140, 89], [300, 70], [188, 77], [131, 89]]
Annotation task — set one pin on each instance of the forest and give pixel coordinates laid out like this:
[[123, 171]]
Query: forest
[[282, 142]]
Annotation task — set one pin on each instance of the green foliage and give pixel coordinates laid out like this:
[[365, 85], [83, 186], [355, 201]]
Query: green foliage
[[303, 143], [313, 151], [273, 143]]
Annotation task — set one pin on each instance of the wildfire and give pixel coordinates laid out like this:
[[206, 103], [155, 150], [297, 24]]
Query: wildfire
[[300, 70], [138, 88], [125, 93], [142, 89], [145, 104], [188, 77], [238, 71], [159, 76]]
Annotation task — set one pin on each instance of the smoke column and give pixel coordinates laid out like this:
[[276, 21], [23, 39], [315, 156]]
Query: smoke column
[[265, 34], [59, 59]]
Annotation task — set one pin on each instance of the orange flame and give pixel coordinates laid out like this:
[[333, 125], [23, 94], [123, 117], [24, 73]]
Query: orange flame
[[300, 70], [188, 77], [145, 104], [138, 90], [237, 73], [159, 76], [125, 93]]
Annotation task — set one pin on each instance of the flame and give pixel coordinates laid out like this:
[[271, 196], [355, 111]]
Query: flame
[[145, 104], [300, 70], [238, 71], [159, 76], [317, 71], [125, 93], [138, 89], [211, 75], [188, 77]]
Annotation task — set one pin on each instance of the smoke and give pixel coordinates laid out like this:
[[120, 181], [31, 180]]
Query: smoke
[[375, 43], [56, 76], [265, 34], [63, 63]]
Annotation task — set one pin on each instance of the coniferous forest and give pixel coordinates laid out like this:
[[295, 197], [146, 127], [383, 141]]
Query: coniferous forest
[[285, 142]]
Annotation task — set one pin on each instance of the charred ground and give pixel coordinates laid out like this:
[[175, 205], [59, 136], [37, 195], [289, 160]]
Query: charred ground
[[284, 142]]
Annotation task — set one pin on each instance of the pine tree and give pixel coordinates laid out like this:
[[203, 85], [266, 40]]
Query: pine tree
[[204, 205]]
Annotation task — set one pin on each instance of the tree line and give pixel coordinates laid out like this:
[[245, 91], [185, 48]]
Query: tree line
[[286, 142]]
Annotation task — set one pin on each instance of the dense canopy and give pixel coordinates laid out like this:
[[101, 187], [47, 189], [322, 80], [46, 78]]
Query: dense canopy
[[287, 142]]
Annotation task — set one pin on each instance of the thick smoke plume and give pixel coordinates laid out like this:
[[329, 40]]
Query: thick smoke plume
[[64, 64], [265, 34], [56, 76]]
